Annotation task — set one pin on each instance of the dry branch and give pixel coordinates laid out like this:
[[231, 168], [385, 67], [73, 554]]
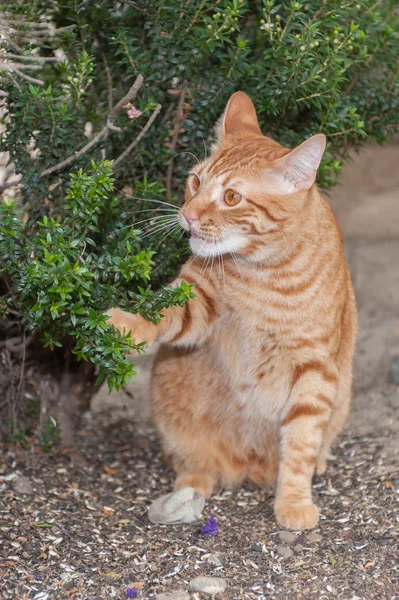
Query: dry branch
[[103, 133], [30, 58], [139, 137], [179, 120], [13, 69]]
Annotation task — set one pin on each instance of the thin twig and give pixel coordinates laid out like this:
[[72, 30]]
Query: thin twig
[[24, 75], [21, 378], [31, 58], [14, 65], [109, 81], [132, 93], [23, 23], [138, 138], [35, 29], [179, 119], [103, 133]]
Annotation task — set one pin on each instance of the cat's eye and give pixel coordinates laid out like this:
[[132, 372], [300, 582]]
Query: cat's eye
[[195, 183], [232, 198]]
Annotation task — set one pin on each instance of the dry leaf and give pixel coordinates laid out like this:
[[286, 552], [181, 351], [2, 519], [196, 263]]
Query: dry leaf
[[109, 470], [108, 511], [388, 484], [138, 585], [113, 575]]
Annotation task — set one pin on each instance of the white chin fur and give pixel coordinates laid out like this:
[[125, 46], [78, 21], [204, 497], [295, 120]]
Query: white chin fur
[[216, 248]]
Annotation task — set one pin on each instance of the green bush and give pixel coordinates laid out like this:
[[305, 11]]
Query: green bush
[[77, 239], [68, 269]]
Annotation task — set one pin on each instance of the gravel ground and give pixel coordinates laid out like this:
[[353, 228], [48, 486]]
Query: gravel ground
[[73, 525]]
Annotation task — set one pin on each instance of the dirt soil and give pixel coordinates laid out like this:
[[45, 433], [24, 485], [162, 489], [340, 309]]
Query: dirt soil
[[73, 524]]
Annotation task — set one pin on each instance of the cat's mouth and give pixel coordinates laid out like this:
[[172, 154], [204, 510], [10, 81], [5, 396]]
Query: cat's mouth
[[202, 238]]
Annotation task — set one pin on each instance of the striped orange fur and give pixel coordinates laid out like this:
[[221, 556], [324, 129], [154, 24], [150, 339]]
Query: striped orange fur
[[253, 378]]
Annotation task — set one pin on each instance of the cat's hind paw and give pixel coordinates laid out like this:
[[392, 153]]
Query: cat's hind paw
[[297, 517]]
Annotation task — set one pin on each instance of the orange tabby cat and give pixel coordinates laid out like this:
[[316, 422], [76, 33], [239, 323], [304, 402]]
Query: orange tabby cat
[[253, 380]]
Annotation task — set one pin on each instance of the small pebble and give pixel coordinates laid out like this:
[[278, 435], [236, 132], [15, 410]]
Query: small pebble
[[208, 585], [298, 548], [395, 372], [287, 537], [182, 506], [313, 537], [173, 596], [214, 559], [285, 551], [22, 485]]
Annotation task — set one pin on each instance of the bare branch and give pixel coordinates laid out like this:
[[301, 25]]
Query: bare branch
[[23, 23], [11, 67], [109, 82], [138, 138], [102, 134], [110, 95], [35, 29], [132, 93], [179, 120], [31, 58]]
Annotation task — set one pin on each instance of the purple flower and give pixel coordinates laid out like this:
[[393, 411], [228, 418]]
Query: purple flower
[[211, 528], [131, 593]]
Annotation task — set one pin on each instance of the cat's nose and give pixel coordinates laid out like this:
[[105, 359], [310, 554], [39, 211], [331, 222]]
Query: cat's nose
[[190, 217]]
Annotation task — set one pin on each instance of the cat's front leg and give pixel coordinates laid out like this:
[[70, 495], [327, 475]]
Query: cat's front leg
[[140, 329], [179, 325], [303, 424]]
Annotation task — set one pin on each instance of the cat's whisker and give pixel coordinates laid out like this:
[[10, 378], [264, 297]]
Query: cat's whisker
[[205, 149], [210, 272], [158, 229], [184, 152], [173, 230], [148, 199], [193, 259], [205, 267], [232, 254], [166, 210], [159, 224], [157, 217], [221, 268]]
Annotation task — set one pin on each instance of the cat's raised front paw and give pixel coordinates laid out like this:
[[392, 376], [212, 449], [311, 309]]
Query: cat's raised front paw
[[140, 329], [297, 517]]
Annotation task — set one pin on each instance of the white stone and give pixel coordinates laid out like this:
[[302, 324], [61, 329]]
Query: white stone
[[22, 485], [287, 536], [214, 559], [285, 551], [313, 537], [208, 585], [182, 506]]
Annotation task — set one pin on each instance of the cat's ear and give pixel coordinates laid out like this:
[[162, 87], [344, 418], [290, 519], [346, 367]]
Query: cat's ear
[[297, 170], [239, 118]]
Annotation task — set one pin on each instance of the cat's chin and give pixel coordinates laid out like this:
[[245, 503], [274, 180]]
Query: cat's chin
[[207, 247]]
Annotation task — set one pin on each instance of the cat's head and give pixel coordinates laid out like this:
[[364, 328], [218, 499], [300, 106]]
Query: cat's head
[[245, 197]]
